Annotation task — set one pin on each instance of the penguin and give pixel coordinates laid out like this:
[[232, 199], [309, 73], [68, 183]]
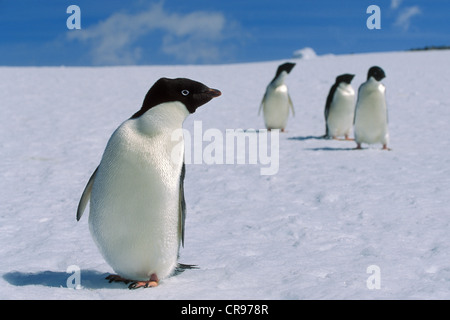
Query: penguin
[[371, 119], [276, 101], [136, 194], [340, 108]]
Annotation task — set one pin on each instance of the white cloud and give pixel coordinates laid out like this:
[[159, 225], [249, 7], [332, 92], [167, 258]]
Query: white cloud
[[191, 37], [395, 4], [405, 16]]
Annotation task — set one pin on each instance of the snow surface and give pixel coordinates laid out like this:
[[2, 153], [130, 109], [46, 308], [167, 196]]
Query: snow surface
[[305, 53], [308, 232]]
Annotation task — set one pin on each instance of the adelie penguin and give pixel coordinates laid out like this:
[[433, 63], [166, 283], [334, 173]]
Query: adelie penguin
[[371, 120], [137, 205], [276, 102], [340, 108]]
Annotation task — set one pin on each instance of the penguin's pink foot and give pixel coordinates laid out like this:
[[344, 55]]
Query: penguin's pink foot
[[358, 146], [143, 284], [153, 282], [386, 148], [348, 138]]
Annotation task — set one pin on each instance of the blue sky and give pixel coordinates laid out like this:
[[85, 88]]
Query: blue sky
[[138, 32]]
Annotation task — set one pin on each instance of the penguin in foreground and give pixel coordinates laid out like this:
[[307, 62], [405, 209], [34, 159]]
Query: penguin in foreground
[[137, 206], [276, 101], [371, 120], [340, 108]]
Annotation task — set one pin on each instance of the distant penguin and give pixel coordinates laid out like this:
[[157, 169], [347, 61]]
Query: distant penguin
[[276, 101], [371, 120], [137, 206], [340, 108]]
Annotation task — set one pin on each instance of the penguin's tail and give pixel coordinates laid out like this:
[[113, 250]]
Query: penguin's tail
[[181, 267]]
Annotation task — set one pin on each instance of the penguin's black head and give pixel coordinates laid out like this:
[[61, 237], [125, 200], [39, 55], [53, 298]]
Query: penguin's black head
[[376, 72], [288, 66], [191, 93], [347, 78]]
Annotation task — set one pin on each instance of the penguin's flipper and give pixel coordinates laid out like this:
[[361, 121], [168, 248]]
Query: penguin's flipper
[[262, 103], [328, 105], [182, 205], [85, 196], [291, 105], [356, 106], [387, 115]]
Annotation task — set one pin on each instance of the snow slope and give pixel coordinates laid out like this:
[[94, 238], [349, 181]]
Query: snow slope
[[308, 232]]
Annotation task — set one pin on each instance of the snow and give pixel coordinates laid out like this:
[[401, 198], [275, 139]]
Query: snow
[[310, 231], [305, 53]]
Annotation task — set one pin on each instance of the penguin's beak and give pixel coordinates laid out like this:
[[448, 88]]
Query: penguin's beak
[[213, 93]]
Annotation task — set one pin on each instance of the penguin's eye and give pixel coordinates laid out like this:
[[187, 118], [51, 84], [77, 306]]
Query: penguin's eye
[[184, 92]]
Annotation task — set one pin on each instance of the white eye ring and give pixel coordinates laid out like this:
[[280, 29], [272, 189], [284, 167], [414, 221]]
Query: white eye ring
[[184, 92]]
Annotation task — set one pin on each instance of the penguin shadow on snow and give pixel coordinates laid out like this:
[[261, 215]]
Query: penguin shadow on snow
[[322, 148], [307, 138], [90, 279], [330, 149]]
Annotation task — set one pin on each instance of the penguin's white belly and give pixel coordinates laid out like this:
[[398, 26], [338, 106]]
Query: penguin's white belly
[[371, 119], [276, 108], [341, 115], [134, 206]]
